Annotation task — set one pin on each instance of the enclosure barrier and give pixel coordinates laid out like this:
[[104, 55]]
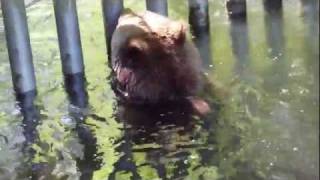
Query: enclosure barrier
[[200, 27], [22, 70], [237, 12], [274, 27], [70, 44], [20, 55], [70, 51], [111, 12], [19, 49], [158, 6]]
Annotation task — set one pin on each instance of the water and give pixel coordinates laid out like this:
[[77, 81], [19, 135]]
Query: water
[[265, 125]]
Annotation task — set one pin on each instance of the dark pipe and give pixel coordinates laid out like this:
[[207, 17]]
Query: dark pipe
[[311, 19], [18, 43], [274, 26], [237, 13], [20, 56], [70, 51], [275, 37], [112, 10], [158, 6], [90, 162], [200, 27], [30, 115], [273, 7], [75, 86], [237, 9]]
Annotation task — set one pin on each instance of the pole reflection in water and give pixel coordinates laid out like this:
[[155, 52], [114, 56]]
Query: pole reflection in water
[[30, 115], [237, 12], [200, 27], [310, 10], [274, 26], [78, 111], [278, 73]]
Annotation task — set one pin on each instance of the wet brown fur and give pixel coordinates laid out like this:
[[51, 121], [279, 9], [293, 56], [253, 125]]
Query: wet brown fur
[[153, 61]]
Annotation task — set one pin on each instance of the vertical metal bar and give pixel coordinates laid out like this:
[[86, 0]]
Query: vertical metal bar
[[70, 51], [19, 48], [310, 9], [276, 42], [112, 10], [237, 9], [31, 117], [237, 13], [200, 27], [20, 56], [158, 6], [69, 36], [274, 26]]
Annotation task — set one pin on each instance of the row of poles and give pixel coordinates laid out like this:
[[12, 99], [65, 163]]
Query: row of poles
[[20, 53]]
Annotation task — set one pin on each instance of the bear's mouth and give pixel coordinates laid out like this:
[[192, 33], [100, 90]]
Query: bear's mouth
[[124, 75]]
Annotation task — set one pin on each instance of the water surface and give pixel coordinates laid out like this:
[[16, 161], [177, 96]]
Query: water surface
[[265, 124]]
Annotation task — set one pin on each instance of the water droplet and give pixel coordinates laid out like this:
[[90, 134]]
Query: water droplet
[[275, 58], [284, 91], [271, 164], [193, 157], [66, 120]]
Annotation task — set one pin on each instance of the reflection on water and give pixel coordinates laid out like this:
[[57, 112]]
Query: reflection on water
[[165, 139], [264, 124]]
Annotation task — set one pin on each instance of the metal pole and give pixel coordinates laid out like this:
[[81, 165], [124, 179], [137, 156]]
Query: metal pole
[[274, 26], [276, 41], [158, 6], [310, 9], [20, 56], [112, 10], [237, 9], [311, 19], [237, 12], [70, 51], [19, 48], [200, 27], [31, 117]]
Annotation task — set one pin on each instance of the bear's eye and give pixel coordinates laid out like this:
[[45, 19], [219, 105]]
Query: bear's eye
[[133, 52]]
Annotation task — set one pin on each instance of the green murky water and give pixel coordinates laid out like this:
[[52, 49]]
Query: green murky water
[[267, 127]]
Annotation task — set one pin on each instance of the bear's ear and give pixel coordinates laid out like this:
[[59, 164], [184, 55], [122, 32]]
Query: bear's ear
[[179, 35]]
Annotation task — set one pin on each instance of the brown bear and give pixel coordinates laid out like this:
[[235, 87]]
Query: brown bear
[[153, 62]]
